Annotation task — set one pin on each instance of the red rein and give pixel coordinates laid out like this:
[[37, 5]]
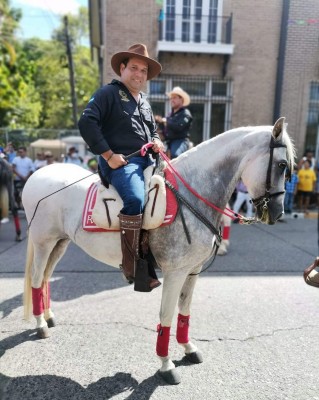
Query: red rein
[[227, 211]]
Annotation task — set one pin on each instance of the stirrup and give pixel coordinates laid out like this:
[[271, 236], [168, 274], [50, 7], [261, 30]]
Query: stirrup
[[142, 281]]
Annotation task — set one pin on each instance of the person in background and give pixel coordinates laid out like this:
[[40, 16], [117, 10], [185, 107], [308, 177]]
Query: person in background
[[306, 185], [40, 161], [73, 157], [291, 191], [5, 187], [49, 158], [23, 168], [117, 122], [177, 123], [242, 197], [92, 165], [10, 152], [308, 156]]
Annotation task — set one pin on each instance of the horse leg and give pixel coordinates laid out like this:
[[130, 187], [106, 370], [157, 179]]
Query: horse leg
[[171, 287], [46, 257], [14, 211], [191, 352], [16, 224], [226, 224], [4, 203], [55, 256]]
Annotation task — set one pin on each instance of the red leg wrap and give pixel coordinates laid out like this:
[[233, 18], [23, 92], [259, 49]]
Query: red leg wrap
[[37, 301], [17, 224], [226, 232], [162, 340], [182, 328]]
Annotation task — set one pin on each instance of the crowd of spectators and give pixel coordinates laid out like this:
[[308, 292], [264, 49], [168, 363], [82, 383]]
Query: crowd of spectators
[[22, 166]]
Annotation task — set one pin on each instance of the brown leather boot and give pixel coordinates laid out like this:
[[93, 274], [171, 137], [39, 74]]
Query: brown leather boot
[[130, 230]]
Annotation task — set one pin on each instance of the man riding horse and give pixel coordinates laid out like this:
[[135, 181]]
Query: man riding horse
[[117, 122]]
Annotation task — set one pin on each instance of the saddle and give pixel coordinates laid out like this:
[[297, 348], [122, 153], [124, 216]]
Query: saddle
[[103, 205]]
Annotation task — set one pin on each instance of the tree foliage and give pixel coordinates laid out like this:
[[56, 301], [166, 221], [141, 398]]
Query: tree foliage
[[34, 87]]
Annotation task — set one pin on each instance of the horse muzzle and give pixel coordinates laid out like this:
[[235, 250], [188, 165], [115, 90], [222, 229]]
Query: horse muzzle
[[269, 208]]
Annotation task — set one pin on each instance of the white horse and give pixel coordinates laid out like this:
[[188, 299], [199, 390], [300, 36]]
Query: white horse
[[258, 155]]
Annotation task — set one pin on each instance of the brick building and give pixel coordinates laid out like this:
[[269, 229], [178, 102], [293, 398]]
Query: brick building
[[243, 62]]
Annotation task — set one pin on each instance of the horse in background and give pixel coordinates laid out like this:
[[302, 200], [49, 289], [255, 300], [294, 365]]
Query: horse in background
[[7, 201]]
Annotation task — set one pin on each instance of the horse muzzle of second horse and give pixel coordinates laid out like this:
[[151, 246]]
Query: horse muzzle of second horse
[[258, 155]]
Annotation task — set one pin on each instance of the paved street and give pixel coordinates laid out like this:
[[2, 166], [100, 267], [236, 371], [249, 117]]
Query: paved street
[[253, 318]]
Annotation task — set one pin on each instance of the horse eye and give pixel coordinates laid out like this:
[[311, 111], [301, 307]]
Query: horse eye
[[282, 165]]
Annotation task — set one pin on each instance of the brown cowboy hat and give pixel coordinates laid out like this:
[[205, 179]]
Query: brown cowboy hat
[[140, 51]]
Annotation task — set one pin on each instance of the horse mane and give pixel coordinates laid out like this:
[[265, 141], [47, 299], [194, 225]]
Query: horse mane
[[291, 150], [286, 139]]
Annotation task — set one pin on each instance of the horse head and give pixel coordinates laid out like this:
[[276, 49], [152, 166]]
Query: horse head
[[266, 178]]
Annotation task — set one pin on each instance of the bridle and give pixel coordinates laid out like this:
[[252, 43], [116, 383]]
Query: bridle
[[265, 199]]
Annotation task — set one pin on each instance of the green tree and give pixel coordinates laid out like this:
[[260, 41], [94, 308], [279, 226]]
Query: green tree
[[19, 102], [34, 84], [78, 28], [55, 92]]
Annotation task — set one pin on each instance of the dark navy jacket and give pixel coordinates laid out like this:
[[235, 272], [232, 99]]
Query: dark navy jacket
[[113, 120], [178, 124]]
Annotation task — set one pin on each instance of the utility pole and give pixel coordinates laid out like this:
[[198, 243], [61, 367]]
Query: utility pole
[[71, 71]]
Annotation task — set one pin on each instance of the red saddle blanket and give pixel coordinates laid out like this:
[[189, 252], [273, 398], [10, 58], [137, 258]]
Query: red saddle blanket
[[170, 215]]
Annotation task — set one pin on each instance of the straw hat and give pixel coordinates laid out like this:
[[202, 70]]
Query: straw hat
[[140, 51], [180, 92]]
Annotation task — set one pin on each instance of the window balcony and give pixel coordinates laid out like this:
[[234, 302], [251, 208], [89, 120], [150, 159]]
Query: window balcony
[[207, 34]]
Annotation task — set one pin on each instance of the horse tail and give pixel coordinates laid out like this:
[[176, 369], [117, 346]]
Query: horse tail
[[27, 298]]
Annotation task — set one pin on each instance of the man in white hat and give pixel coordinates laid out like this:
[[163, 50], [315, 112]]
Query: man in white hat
[[117, 122], [178, 122]]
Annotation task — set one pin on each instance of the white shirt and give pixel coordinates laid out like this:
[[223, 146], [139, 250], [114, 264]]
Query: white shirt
[[39, 164], [23, 165]]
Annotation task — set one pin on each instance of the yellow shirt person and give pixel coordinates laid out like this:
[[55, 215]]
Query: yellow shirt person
[[306, 186], [307, 179]]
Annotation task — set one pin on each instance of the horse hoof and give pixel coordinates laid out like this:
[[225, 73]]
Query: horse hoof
[[43, 333], [18, 238], [195, 358], [171, 376], [51, 322]]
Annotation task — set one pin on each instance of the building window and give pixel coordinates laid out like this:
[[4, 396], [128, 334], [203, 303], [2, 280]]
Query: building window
[[170, 21], [198, 21], [212, 21], [211, 99], [312, 130], [157, 87], [192, 20]]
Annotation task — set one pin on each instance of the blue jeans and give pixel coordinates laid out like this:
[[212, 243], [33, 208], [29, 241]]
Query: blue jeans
[[178, 146], [288, 202], [129, 182]]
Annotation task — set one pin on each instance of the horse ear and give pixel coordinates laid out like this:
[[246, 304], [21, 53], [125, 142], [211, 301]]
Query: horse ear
[[278, 127]]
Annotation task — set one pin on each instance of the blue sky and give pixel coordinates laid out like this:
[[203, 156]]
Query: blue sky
[[40, 17]]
